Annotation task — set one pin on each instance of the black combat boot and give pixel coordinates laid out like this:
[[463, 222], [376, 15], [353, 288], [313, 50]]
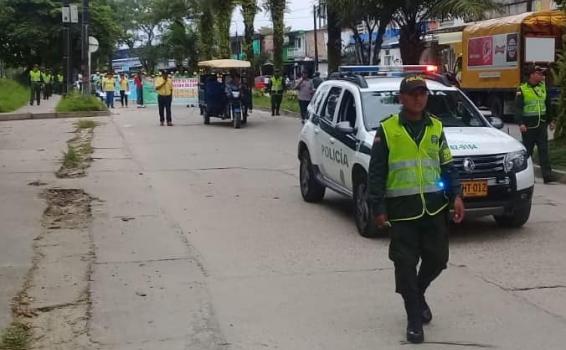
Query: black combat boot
[[426, 313], [415, 332]]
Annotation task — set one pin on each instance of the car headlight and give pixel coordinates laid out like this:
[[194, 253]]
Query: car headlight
[[515, 162]]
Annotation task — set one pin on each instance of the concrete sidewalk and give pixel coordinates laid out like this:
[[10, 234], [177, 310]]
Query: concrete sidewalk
[[29, 156]]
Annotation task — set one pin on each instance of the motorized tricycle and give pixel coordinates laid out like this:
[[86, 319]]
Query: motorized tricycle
[[219, 96]]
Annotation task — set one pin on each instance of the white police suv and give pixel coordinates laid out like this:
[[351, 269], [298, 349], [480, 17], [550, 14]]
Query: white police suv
[[335, 144]]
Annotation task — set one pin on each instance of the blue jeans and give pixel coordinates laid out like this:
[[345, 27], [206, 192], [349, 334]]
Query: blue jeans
[[110, 99]]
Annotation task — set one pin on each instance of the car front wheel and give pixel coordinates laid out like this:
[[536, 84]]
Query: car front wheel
[[516, 218], [362, 210], [311, 190]]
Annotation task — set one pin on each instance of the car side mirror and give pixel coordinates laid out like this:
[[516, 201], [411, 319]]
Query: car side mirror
[[346, 128], [496, 122]]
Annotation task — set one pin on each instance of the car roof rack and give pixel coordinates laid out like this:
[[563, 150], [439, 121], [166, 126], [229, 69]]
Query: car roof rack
[[428, 71], [350, 77]]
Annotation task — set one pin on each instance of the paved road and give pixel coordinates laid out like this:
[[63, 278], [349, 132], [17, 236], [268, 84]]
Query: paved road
[[251, 266], [203, 242]]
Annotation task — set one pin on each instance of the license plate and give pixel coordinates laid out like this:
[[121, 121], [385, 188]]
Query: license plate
[[476, 188]]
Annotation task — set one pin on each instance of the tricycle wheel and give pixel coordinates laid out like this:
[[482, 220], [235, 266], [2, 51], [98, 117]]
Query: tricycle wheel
[[237, 120], [206, 117]]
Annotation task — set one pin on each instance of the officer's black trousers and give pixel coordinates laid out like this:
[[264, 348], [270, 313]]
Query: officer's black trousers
[[276, 103], [35, 91], [424, 239], [539, 137]]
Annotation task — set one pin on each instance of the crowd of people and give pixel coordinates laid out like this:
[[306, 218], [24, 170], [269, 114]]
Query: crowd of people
[[46, 81]]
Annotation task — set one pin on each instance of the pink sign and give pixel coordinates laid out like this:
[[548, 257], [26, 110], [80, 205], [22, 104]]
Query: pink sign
[[480, 51]]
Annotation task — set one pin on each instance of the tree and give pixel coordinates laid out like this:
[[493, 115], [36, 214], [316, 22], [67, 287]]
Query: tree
[[373, 15], [249, 11], [180, 43], [31, 31], [206, 30], [411, 17], [223, 10], [277, 10], [334, 29], [560, 79]]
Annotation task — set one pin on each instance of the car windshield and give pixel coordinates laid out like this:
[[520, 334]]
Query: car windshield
[[452, 107]]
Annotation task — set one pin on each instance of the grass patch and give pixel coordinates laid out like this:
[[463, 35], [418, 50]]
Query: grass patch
[[556, 153], [86, 124], [16, 337], [71, 158], [12, 95], [76, 102], [287, 104]]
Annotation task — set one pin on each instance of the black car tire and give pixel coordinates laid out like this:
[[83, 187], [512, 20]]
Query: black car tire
[[516, 218], [311, 190], [363, 212]]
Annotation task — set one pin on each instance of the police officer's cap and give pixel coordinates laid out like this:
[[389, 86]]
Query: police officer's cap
[[412, 83]]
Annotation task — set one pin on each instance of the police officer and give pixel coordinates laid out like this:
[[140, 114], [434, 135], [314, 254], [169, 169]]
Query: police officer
[[533, 114], [276, 87], [35, 79], [412, 183], [47, 81]]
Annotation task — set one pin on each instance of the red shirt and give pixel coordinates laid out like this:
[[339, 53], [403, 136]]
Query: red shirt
[[138, 82]]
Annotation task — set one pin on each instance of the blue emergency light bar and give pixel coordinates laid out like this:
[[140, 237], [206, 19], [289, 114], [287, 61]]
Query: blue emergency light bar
[[389, 71]]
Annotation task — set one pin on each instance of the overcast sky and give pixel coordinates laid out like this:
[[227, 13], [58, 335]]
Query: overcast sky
[[298, 16]]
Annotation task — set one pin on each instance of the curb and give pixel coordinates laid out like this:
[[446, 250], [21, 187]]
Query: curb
[[283, 112], [32, 116], [558, 174]]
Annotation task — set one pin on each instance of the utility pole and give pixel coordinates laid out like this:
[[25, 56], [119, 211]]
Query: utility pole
[[66, 45], [85, 49], [314, 10]]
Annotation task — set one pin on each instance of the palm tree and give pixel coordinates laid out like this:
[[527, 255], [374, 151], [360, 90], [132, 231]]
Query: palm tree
[[410, 16], [277, 10], [206, 30], [373, 15], [334, 30], [249, 11], [223, 10]]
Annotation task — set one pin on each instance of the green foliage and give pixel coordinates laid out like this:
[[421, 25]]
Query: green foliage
[[16, 337], [289, 103], [76, 102], [71, 158], [223, 10], [86, 124], [12, 95], [560, 79], [31, 31], [206, 30], [180, 42], [249, 11], [277, 10]]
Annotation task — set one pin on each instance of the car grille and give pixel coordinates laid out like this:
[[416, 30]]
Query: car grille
[[485, 166]]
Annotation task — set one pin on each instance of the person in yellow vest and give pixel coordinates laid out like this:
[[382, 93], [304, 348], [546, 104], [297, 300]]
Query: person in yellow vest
[[47, 84], [124, 90], [276, 87], [35, 80], [164, 88], [109, 86], [411, 185], [533, 114]]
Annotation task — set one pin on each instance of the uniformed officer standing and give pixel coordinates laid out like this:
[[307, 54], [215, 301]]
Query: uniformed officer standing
[[276, 88], [35, 79], [47, 81], [533, 114], [411, 184]]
